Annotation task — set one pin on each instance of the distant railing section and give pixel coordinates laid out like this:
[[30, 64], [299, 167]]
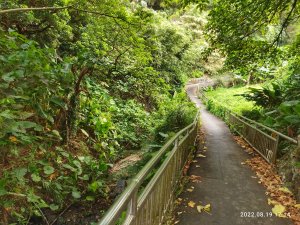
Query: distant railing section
[[263, 143], [263, 139], [150, 205]]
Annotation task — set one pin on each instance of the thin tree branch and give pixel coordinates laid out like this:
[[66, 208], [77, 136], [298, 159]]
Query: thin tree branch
[[43, 215], [6, 11], [32, 9], [98, 13], [54, 221], [285, 22]]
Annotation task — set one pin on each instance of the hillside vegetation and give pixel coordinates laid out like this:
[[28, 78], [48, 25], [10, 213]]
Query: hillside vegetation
[[84, 84]]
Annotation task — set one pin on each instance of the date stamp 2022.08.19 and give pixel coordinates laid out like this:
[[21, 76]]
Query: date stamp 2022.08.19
[[262, 214]]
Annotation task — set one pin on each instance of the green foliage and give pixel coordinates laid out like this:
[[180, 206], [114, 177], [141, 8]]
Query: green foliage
[[260, 103], [266, 96], [81, 89], [178, 113], [57, 175], [30, 88], [240, 28], [231, 98]]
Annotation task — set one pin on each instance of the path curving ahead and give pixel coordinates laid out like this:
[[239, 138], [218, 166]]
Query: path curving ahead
[[230, 187]]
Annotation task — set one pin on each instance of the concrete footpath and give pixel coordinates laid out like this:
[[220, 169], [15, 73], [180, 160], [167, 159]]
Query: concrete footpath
[[232, 190]]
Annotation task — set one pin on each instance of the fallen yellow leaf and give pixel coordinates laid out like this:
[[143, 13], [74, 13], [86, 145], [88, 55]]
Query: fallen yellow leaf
[[191, 204], [272, 202], [201, 156], [206, 208], [199, 208], [285, 190], [178, 201], [297, 206], [278, 210]]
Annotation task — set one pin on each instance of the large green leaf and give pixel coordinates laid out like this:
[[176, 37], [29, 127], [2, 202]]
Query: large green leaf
[[76, 194], [48, 170], [297, 109], [293, 119], [3, 191], [20, 173]]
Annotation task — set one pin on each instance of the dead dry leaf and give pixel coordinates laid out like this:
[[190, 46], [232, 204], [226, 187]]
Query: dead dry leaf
[[191, 204], [206, 208], [190, 189], [195, 179], [272, 202]]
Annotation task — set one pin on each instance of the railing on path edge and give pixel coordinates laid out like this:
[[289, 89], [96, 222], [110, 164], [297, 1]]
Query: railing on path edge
[[151, 205], [263, 139]]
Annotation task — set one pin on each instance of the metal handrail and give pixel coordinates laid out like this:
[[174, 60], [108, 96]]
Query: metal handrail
[[269, 129], [128, 198], [292, 140], [238, 117], [251, 131]]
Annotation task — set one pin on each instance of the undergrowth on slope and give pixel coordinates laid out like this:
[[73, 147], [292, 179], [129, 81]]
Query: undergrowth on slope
[[230, 98]]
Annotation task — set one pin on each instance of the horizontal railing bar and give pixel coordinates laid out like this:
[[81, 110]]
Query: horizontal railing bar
[[114, 213], [159, 172], [292, 140], [259, 152], [270, 129], [260, 131]]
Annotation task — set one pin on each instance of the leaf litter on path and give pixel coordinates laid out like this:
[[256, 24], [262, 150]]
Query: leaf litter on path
[[191, 204], [195, 179], [205, 208], [191, 189], [201, 156], [280, 197]]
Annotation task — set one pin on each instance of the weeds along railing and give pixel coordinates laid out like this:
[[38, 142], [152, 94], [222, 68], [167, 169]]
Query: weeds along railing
[[263, 139], [150, 204]]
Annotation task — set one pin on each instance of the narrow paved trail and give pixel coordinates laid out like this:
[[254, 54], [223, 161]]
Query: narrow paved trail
[[230, 187]]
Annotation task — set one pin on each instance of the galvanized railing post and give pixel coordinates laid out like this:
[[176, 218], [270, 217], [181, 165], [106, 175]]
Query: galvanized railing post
[[187, 131], [276, 148], [132, 205], [176, 143]]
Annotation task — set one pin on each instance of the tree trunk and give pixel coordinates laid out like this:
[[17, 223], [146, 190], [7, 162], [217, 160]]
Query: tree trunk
[[70, 119]]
